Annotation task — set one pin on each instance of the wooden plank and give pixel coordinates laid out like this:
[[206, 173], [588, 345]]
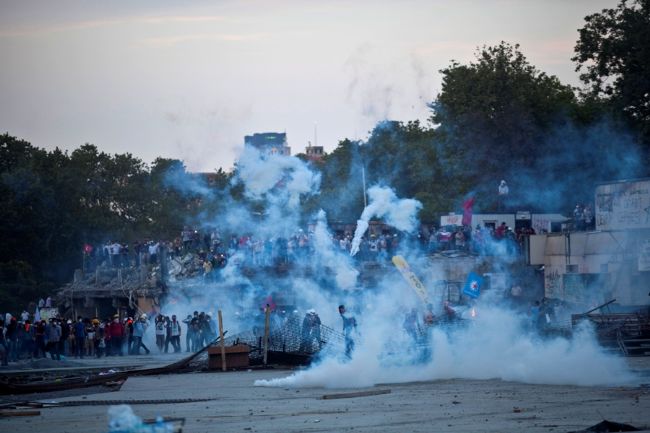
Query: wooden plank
[[356, 394], [14, 413]]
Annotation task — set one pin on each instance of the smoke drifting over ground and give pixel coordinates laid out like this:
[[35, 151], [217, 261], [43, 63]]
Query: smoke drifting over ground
[[497, 343]]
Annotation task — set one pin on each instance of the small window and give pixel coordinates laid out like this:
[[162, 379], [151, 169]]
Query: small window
[[572, 269]]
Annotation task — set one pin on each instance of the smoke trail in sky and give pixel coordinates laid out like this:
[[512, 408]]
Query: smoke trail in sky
[[383, 203]]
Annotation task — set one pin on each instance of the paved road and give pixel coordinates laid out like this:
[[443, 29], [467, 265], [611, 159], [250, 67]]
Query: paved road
[[443, 406]]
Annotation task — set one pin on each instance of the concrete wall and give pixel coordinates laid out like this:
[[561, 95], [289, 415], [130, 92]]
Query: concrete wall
[[589, 267], [479, 219], [623, 205]]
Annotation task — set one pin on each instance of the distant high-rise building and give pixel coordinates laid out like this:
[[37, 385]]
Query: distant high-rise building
[[273, 143]]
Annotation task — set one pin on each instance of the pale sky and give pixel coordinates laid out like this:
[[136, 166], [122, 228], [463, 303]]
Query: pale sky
[[188, 79]]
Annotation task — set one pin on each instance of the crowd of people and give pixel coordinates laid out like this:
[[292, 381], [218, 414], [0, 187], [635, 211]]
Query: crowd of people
[[24, 338], [583, 217], [483, 240], [215, 251]]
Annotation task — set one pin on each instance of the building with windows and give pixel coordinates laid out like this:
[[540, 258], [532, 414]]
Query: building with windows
[[314, 153], [272, 143]]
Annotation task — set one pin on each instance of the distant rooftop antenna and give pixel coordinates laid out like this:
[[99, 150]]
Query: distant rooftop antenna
[[315, 134]]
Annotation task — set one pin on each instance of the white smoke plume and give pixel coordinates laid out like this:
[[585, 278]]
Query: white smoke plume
[[327, 255], [495, 344], [384, 203], [278, 178]]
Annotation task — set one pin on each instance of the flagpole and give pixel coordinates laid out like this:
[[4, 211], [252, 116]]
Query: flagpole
[[363, 178]]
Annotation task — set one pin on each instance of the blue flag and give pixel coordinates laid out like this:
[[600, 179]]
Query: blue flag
[[473, 285]]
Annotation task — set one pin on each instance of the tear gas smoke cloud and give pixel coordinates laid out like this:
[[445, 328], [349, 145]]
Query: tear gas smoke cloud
[[278, 178], [279, 182], [346, 274], [497, 344], [383, 203], [186, 183], [577, 159]]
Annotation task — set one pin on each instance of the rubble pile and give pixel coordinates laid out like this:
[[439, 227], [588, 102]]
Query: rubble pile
[[188, 266], [110, 283]]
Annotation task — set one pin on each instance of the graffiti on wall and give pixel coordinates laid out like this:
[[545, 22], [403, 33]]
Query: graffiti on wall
[[552, 283], [624, 205]]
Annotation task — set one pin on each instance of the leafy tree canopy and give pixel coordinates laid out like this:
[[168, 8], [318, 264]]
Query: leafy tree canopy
[[613, 54]]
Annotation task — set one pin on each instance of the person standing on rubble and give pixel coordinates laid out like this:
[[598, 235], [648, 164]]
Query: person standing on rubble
[[349, 327]]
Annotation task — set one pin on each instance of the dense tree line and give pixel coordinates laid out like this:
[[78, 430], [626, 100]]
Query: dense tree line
[[497, 117], [53, 203]]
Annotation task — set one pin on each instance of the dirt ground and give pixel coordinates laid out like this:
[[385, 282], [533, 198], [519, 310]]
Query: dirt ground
[[236, 405]]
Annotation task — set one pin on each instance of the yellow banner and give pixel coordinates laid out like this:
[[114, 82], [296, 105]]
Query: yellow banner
[[409, 276]]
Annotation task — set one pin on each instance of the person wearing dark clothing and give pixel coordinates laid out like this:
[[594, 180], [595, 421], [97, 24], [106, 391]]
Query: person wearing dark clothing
[[53, 333], [11, 338], [63, 342], [27, 345], [39, 340], [4, 347], [79, 337], [129, 336]]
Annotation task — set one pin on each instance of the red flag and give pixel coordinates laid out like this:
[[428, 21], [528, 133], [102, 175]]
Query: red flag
[[268, 301], [467, 211]]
